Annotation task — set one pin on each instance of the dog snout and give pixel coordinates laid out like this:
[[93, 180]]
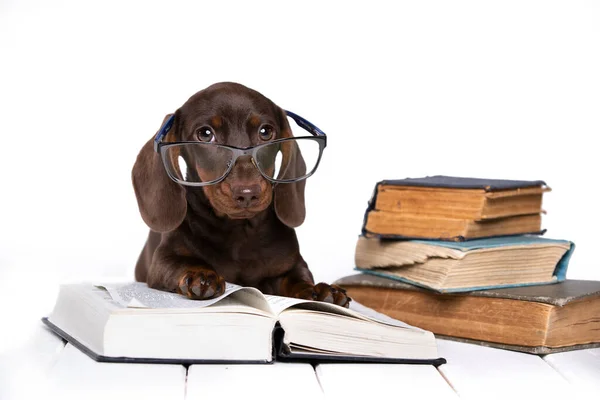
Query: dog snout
[[246, 196]]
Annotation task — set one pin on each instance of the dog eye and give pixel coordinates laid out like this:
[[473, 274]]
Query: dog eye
[[266, 132], [205, 134]]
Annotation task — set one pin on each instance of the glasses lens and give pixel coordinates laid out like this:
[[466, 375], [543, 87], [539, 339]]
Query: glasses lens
[[197, 162], [289, 159]]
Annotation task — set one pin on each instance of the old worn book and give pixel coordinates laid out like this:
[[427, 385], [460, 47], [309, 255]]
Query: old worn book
[[534, 319], [133, 323], [465, 266], [388, 224], [454, 208]]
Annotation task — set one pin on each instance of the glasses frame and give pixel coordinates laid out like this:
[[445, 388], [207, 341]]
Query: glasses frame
[[318, 135]]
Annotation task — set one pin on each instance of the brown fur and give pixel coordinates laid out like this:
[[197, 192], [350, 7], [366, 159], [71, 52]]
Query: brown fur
[[202, 236]]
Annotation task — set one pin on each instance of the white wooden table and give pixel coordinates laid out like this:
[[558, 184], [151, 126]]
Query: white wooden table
[[47, 368]]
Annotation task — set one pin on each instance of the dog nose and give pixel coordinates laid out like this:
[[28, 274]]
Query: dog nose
[[246, 196]]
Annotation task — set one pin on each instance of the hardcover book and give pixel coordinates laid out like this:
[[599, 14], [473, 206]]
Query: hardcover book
[[133, 323], [466, 266], [534, 319], [454, 208]]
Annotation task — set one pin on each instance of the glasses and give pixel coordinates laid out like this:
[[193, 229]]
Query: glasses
[[279, 161]]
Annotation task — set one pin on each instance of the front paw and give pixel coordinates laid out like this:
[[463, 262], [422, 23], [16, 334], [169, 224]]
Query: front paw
[[200, 283], [327, 293]]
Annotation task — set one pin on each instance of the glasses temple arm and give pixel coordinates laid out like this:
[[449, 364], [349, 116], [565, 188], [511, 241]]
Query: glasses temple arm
[[305, 124], [162, 132]]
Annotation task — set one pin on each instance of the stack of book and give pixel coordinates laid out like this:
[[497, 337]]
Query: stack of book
[[465, 258]]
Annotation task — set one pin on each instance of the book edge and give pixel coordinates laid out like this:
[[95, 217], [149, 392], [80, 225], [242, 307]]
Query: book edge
[[369, 234], [456, 290], [140, 360], [285, 355], [488, 243]]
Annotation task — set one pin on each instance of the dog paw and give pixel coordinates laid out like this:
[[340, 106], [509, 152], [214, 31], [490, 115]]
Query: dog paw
[[201, 284], [326, 293]]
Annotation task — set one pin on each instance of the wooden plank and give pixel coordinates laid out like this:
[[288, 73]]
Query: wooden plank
[[595, 351], [76, 376], [24, 367], [478, 371], [580, 367], [44, 346], [367, 380], [274, 381]]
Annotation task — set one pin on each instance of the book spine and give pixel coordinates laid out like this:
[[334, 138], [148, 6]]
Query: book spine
[[370, 207], [563, 264]]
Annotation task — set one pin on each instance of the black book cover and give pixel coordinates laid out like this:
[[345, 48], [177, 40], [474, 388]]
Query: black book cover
[[454, 182]]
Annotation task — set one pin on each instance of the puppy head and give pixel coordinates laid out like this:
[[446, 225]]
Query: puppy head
[[229, 114]]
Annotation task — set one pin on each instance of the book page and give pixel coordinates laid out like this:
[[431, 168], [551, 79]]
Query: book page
[[379, 317], [101, 292], [280, 304], [139, 295]]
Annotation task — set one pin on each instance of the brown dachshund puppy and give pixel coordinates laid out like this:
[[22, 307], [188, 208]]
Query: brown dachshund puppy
[[239, 230]]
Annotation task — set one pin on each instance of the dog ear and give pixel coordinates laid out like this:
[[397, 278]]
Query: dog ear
[[289, 197], [161, 201]]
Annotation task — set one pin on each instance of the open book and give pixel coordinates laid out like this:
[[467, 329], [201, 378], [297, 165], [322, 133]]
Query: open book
[[133, 323]]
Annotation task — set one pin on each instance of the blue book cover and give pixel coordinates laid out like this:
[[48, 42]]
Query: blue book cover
[[559, 275]]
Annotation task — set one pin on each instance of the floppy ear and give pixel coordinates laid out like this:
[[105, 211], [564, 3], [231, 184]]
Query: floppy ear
[[289, 197], [161, 201]]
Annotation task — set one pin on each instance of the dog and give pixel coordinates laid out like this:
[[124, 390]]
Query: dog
[[239, 230]]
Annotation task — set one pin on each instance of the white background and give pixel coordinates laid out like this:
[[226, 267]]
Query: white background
[[506, 89]]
